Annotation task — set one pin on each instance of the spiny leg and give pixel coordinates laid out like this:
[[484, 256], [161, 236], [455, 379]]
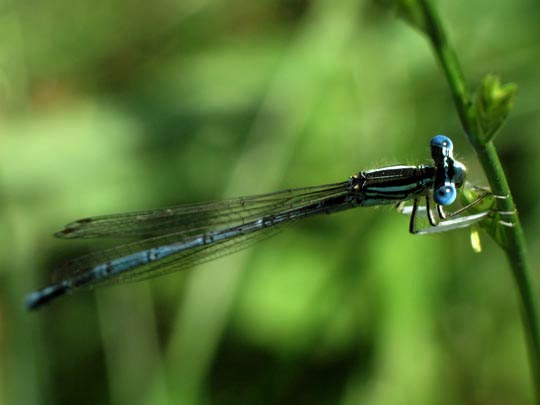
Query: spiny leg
[[478, 200], [438, 226], [431, 218], [444, 225], [445, 215], [412, 222]]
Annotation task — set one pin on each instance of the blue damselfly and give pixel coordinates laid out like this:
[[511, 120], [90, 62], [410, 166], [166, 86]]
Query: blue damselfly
[[176, 238]]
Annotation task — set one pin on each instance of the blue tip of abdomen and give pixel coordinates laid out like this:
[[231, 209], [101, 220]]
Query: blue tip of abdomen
[[40, 297]]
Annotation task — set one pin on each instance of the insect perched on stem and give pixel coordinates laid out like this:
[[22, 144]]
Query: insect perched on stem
[[180, 237]]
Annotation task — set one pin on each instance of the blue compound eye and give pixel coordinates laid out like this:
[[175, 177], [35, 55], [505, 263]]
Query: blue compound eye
[[445, 195], [441, 141]]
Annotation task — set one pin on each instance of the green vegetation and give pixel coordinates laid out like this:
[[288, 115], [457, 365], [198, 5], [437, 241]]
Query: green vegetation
[[116, 106]]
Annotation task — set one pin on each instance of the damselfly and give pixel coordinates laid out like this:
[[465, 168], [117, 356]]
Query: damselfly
[[176, 238]]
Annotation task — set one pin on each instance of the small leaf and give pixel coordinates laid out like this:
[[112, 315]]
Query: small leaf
[[493, 103], [412, 12]]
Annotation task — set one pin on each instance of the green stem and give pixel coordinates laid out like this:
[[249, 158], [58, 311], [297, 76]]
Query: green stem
[[511, 239]]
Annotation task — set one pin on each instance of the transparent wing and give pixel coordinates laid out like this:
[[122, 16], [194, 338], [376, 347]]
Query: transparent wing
[[193, 219], [178, 262], [180, 237], [296, 204]]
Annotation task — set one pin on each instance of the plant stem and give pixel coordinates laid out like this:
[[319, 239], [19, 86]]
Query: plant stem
[[511, 239]]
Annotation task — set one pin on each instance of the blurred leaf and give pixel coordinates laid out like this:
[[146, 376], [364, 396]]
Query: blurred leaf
[[411, 11]]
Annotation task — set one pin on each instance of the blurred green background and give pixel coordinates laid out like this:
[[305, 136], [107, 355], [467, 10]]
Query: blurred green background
[[111, 106]]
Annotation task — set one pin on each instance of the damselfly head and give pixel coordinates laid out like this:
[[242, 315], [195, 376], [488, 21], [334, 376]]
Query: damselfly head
[[442, 141], [441, 148], [450, 174]]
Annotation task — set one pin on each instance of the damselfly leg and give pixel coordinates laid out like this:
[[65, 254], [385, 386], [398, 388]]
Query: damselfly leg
[[445, 221], [483, 193]]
